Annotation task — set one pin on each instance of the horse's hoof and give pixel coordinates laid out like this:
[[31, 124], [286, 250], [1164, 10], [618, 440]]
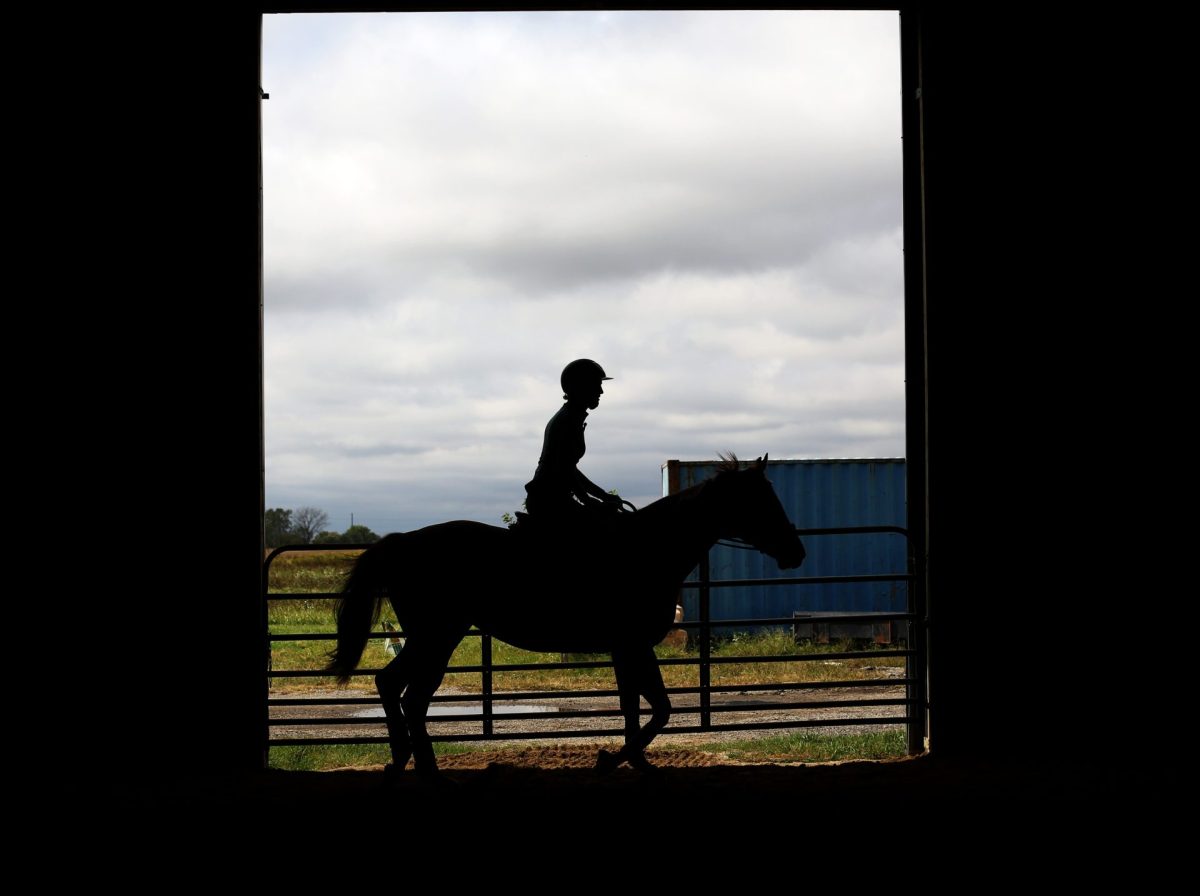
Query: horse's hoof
[[645, 766], [392, 775], [606, 762], [435, 780]]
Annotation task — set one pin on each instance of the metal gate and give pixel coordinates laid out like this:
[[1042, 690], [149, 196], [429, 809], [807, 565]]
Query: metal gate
[[707, 712]]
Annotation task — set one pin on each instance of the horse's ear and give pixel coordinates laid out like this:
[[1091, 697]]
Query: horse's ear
[[762, 464]]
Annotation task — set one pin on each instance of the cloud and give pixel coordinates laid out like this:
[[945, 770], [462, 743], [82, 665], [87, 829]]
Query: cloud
[[549, 155], [458, 204]]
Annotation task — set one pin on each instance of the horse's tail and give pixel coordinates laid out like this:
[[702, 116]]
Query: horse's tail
[[358, 608]]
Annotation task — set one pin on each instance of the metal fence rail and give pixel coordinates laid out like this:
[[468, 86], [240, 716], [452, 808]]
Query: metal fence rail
[[488, 699]]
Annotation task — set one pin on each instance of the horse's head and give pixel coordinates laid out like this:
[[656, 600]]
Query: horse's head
[[753, 513]]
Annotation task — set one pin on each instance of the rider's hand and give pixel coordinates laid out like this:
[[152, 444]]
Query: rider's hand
[[612, 499]]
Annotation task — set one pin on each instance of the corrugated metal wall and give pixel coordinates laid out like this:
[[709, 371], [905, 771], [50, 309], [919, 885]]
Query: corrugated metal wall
[[816, 494]]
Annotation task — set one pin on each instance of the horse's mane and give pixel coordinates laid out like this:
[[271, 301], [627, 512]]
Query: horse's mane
[[728, 463]]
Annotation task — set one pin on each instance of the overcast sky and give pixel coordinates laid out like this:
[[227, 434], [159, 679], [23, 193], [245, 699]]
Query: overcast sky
[[456, 205]]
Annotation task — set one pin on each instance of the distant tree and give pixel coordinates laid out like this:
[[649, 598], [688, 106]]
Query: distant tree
[[278, 526], [330, 538], [307, 522], [359, 535]]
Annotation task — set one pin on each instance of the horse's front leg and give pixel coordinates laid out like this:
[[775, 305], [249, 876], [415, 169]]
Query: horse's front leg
[[637, 675]]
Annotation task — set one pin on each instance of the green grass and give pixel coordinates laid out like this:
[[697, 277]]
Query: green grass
[[806, 746], [300, 572], [322, 757]]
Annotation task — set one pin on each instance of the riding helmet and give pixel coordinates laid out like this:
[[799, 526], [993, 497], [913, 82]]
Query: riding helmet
[[581, 374]]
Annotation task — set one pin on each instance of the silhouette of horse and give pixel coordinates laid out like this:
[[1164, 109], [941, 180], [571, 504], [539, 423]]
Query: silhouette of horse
[[548, 592]]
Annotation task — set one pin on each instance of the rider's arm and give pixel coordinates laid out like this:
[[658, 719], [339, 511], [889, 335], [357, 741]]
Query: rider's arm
[[585, 487]]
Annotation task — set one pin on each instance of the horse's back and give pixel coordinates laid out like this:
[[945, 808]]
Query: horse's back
[[537, 593], [457, 540]]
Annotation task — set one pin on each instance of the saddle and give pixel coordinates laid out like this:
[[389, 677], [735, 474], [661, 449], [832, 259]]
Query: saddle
[[591, 527]]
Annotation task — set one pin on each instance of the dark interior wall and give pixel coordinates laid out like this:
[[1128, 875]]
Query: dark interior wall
[[1016, 107], [165, 248], [155, 142]]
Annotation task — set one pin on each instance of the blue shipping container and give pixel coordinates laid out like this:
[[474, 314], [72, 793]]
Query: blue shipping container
[[817, 494]]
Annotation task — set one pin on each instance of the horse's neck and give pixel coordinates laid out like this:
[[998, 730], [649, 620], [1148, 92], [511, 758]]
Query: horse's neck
[[688, 522]]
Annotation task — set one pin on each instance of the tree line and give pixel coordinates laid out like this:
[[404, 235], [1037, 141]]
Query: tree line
[[306, 525]]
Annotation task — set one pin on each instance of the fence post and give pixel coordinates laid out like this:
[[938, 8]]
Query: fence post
[[916, 665], [485, 649], [916, 378], [705, 645]]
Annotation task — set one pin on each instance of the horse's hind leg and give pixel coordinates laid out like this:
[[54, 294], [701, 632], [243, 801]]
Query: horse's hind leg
[[429, 663], [655, 691], [390, 683], [637, 675]]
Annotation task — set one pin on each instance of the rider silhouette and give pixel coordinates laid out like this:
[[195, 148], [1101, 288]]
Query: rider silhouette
[[559, 492]]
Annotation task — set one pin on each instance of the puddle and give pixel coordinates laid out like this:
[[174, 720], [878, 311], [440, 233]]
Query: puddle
[[472, 709]]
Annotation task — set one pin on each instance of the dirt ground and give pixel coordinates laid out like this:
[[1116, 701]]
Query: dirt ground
[[555, 777], [557, 785], [685, 714], [556, 772]]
